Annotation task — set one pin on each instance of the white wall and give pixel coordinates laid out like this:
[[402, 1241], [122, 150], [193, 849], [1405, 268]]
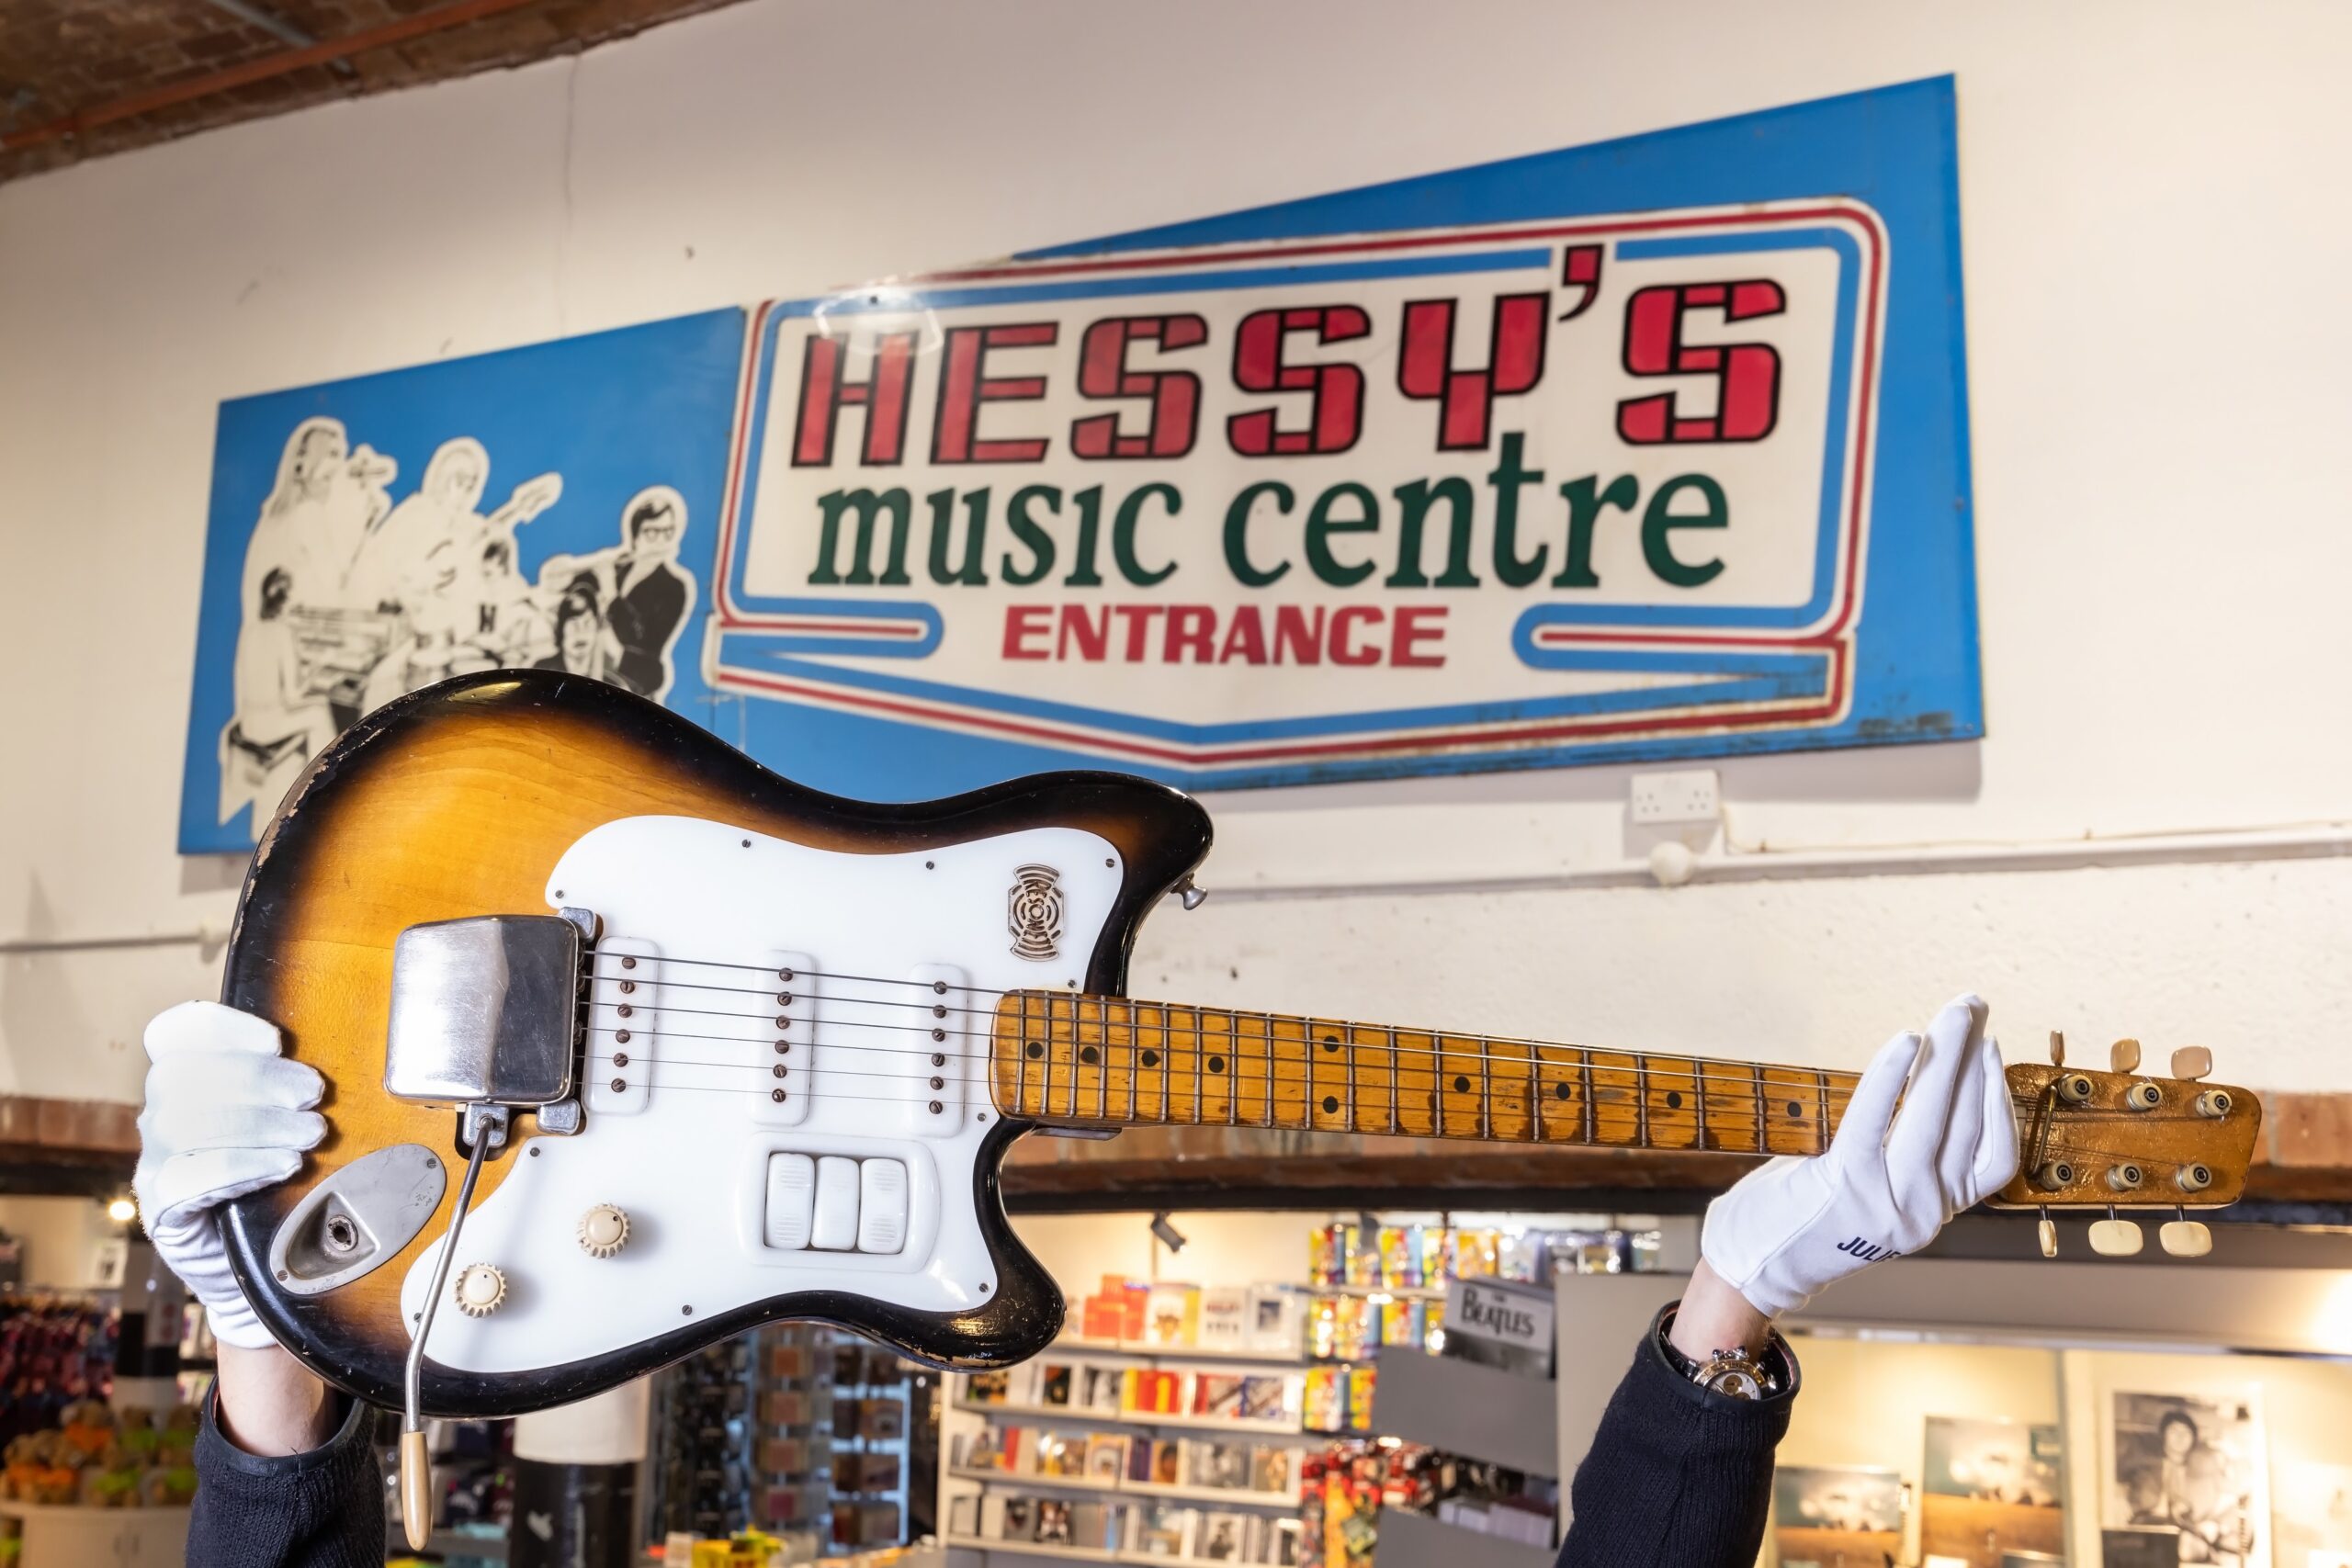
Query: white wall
[[2151, 255], [65, 1240]]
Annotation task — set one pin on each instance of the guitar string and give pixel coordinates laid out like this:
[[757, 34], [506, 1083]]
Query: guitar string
[[1641, 1063], [2055, 1147], [1240, 1076], [1751, 1079], [1248, 1081], [1202, 1045]]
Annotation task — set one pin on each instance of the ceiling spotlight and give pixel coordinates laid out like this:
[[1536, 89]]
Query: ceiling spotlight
[[122, 1210], [1170, 1236]]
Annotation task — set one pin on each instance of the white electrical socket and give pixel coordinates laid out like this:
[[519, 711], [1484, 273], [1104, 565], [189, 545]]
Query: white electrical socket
[[1692, 795]]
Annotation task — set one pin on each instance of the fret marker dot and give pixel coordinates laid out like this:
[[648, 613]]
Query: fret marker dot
[[1331, 1104], [1331, 1042], [1796, 1111], [1035, 1050], [1461, 1085], [1674, 1100], [1151, 1058], [1561, 1091], [1217, 1064], [1087, 1054]]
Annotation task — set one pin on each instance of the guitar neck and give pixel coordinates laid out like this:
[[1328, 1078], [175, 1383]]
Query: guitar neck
[[1109, 1061]]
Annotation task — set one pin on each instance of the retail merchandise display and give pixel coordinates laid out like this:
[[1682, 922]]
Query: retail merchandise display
[[794, 1431], [54, 1352], [103, 1458]]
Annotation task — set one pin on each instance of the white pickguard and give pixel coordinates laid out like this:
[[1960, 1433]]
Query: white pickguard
[[684, 1147]]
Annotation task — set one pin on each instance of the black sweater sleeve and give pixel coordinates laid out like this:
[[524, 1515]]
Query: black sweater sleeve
[[1678, 1477], [321, 1509]]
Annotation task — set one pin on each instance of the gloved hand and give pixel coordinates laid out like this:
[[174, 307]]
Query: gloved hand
[[1890, 1178], [225, 1115]]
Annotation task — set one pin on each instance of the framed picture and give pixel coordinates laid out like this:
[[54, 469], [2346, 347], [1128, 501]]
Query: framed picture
[[1823, 1513], [2194, 1464], [1990, 1489]]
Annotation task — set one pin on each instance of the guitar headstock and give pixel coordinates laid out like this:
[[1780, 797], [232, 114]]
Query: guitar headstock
[[2124, 1139]]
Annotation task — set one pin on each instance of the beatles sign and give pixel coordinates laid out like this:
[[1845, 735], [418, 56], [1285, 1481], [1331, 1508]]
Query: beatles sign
[[1650, 449]]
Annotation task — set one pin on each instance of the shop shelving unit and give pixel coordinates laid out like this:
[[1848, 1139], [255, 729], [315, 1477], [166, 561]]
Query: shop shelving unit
[[967, 1478]]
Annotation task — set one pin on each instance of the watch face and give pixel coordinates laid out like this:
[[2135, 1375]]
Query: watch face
[[1739, 1382]]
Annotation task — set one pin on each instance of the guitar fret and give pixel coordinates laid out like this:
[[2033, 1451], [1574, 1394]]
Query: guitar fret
[[1699, 1101], [1134, 1057], [1485, 1091], [1821, 1094], [1393, 1125], [1591, 1116], [1761, 1140], [1641, 1101], [1535, 1094], [1266, 1020]]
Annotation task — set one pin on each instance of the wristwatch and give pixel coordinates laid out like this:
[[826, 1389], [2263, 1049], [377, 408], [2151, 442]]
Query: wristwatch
[[1732, 1373]]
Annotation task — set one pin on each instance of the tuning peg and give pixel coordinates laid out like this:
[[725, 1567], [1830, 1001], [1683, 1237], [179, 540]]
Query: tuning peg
[[2057, 1048], [2123, 1056], [2191, 1062], [2111, 1237], [2185, 1238], [2048, 1230]]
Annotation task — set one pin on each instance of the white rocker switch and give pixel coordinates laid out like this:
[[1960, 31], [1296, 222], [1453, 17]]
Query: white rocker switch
[[792, 1191], [882, 1206], [834, 1229]]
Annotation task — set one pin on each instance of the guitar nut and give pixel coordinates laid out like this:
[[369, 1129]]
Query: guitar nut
[[2214, 1102], [2143, 1096]]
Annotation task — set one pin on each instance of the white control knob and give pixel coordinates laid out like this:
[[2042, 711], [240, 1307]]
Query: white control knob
[[603, 1231], [481, 1289]]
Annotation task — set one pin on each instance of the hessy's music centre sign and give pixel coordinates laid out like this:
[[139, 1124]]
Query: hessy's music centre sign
[[1328, 505], [1652, 448], [1436, 471]]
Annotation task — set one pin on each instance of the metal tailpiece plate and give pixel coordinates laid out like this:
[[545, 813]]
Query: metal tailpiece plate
[[484, 1012], [359, 1217]]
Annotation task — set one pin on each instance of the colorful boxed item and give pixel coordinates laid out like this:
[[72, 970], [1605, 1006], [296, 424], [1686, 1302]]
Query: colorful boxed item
[[1174, 1315]]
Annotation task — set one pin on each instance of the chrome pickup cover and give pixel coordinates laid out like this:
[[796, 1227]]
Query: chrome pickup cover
[[485, 1010]]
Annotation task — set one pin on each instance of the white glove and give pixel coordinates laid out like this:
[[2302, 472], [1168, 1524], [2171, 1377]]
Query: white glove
[[226, 1115], [1889, 1180]]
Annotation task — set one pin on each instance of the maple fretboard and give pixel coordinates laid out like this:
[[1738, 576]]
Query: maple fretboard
[[1074, 1059]]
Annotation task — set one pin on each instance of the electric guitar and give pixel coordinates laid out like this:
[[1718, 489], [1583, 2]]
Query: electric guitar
[[674, 1047]]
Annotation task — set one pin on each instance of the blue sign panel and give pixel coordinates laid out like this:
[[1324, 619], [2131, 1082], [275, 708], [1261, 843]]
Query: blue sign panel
[[1656, 448]]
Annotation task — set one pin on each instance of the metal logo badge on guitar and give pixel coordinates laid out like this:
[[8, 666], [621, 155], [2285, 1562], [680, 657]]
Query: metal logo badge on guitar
[[1033, 912]]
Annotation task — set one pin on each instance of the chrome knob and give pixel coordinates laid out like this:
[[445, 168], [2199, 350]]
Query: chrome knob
[[2054, 1175]]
